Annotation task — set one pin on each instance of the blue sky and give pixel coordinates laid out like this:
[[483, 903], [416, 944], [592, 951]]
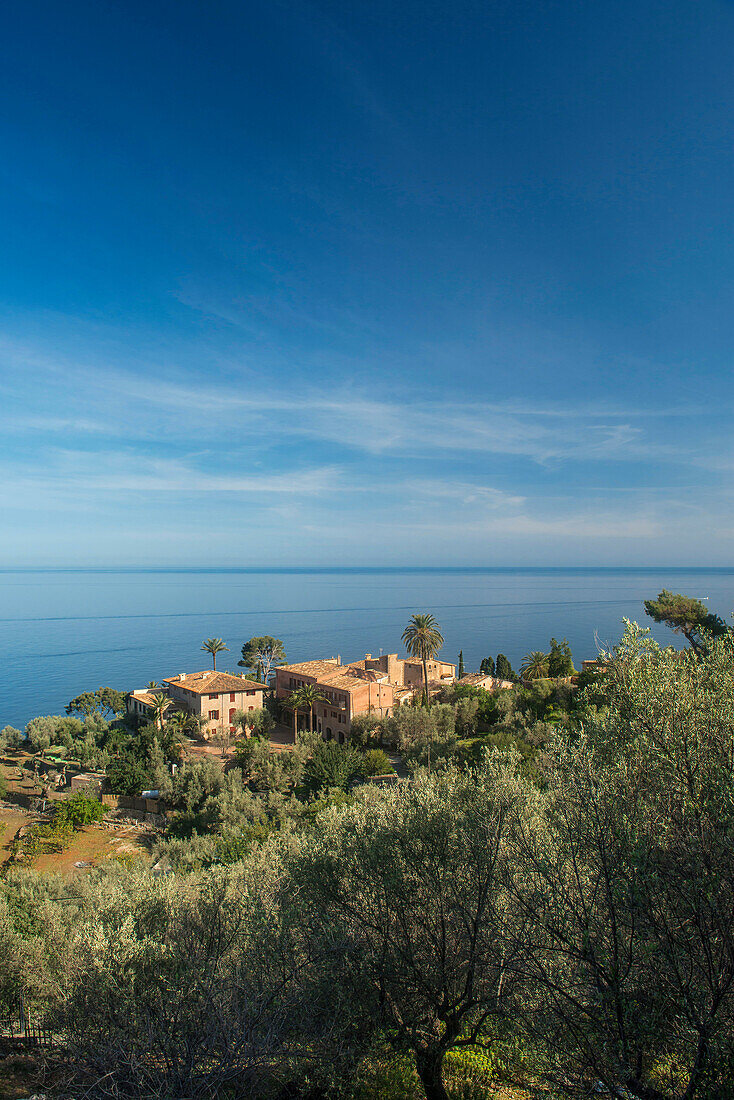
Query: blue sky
[[315, 283]]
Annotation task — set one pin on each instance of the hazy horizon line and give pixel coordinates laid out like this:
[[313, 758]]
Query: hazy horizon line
[[362, 568]]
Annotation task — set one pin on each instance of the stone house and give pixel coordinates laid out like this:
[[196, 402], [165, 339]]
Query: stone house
[[214, 697], [371, 686], [211, 696]]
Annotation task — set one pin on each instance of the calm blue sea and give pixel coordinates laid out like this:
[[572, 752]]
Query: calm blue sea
[[66, 631]]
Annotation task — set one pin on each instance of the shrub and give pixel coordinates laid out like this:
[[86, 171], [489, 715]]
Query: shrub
[[260, 721], [78, 810], [376, 762], [331, 765], [42, 839], [127, 775], [184, 854], [386, 1075]]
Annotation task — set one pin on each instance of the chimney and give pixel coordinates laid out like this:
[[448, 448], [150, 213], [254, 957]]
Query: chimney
[[182, 675], [368, 656]]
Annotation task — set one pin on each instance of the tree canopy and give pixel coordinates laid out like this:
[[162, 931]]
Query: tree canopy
[[504, 668], [410, 888], [686, 615], [560, 661], [103, 701], [261, 655]]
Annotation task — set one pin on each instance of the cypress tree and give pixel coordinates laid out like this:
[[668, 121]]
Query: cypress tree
[[460, 672], [504, 668]]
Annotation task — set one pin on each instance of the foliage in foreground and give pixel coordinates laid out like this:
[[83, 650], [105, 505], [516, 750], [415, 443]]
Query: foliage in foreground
[[575, 931]]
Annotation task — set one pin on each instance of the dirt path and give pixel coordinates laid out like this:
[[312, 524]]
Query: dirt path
[[90, 847]]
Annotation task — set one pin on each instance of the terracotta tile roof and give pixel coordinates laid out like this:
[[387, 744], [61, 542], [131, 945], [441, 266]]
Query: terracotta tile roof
[[210, 683], [143, 697], [312, 668], [330, 674], [347, 679], [481, 679]]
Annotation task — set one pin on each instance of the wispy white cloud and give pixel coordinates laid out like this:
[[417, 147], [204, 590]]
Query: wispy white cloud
[[358, 418], [74, 472], [464, 493], [334, 469]]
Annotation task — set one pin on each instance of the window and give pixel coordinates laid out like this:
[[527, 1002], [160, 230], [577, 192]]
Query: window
[[213, 714], [231, 697], [232, 714], [213, 696], [250, 708]]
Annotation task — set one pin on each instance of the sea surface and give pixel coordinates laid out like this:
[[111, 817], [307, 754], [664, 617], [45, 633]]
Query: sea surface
[[67, 631]]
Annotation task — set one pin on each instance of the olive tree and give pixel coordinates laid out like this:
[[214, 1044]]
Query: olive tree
[[404, 887], [185, 987], [627, 882]]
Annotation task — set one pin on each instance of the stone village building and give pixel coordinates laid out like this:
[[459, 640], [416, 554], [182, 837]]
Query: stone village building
[[212, 696], [375, 685]]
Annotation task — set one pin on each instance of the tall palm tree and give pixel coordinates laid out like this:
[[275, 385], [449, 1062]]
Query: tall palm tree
[[534, 665], [310, 695], [423, 639], [294, 702], [214, 646]]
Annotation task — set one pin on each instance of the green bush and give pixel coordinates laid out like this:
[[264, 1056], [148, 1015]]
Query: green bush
[[78, 811], [331, 765], [386, 1076], [127, 775], [469, 1074], [376, 762], [42, 839]]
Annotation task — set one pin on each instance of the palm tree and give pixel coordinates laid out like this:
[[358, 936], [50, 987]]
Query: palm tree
[[534, 665], [294, 702], [423, 639], [183, 723], [161, 705], [310, 695], [214, 646]]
